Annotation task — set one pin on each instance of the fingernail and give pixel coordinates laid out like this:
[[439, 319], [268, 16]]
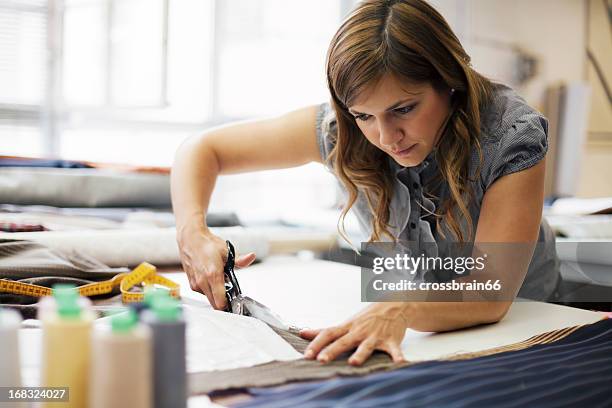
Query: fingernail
[[323, 358], [308, 354]]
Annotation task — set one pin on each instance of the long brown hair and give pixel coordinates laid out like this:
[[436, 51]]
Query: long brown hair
[[409, 39]]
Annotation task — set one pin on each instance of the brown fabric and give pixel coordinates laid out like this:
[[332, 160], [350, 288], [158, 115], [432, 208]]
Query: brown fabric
[[281, 372], [33, 263], [20, 259]]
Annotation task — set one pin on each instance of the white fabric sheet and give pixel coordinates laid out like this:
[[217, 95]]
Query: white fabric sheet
[[220, 341]]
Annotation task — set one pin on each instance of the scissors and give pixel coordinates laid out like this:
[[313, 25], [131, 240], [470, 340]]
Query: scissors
[[243, 305]]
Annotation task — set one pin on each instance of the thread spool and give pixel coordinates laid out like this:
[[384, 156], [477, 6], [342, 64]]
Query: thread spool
[[10, 364], [169, 365], [121, 371], [150, 294], [47, 306], [10, 373], [67, 347]]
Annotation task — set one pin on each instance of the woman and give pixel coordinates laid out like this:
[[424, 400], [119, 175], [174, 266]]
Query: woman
[[426, 149]]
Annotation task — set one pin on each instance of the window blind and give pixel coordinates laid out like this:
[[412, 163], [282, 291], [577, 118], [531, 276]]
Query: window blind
[[23, 39]]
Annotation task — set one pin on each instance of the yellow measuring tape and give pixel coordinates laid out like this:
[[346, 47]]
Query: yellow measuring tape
[[145, 274]]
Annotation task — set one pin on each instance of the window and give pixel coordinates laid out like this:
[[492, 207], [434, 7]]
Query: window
[[128, 80], [198, 63], [271, 54]]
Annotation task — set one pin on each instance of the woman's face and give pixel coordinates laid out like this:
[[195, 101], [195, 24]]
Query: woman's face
[[403, 120]]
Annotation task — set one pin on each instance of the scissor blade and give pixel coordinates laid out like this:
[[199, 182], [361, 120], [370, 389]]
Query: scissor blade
[[246, 306]]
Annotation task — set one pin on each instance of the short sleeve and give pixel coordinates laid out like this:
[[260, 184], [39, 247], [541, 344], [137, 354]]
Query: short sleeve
[[521, 146], [326, 131]]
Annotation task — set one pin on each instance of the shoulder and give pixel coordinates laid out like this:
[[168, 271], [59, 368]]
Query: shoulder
[[514, 136]]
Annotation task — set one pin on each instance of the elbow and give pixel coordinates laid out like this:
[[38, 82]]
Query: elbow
[[197, 149]]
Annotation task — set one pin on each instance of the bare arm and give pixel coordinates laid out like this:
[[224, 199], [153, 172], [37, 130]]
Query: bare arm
[[511, 212], [280, 142]]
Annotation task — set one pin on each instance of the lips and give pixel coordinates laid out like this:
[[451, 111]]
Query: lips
[[404, 151]]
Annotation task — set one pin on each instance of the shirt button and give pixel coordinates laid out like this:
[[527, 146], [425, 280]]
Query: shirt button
[[412, 225]]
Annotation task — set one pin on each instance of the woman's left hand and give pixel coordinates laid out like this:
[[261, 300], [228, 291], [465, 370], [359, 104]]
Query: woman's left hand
[[380, 326]]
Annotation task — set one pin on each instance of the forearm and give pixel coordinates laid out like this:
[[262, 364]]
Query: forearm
[[193, 178], [446, 316]]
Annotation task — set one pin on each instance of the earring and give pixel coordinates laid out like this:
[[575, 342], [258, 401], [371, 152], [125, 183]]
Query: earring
[[452, 91]]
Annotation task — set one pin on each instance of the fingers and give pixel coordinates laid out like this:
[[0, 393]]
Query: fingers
[[208, 280], [323, 339], [203, 257], [203, 286], [328, 344], [363, 352], [190, 278], [367, 347], [309, 334], [396, 353], [347, 342], [214, 277], [245, 260]]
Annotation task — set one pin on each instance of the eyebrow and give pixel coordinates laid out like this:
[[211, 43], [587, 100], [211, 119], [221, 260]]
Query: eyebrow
[[395, 105]]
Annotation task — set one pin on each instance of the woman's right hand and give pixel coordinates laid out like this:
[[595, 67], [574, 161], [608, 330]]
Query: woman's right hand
[[203, 256]]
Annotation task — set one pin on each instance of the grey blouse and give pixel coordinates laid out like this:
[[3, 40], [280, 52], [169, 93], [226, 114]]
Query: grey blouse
[[513, 138]]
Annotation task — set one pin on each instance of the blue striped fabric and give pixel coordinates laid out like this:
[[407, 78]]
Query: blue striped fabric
[[575, 371]]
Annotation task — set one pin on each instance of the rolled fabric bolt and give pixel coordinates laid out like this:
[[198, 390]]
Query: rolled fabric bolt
[[127, 246], [169, 364], [121, 370], [67, 347]]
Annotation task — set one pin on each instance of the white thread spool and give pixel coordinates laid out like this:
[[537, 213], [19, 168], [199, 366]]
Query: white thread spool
[[10, 372]]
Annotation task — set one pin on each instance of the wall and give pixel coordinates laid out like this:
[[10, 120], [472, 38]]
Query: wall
[[556, 33]]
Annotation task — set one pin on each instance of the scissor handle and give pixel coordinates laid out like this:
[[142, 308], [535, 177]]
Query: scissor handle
[[232, 288]]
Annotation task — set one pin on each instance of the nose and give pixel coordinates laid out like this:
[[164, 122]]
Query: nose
[[389, 134]]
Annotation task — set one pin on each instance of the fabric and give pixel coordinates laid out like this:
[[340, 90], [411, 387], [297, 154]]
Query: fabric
[[22, 161], [95, 187], [280, 372], [60, 219], [26, 259], [20, 227], [30, 262], [566, 368], [514, 138], [8, 161]]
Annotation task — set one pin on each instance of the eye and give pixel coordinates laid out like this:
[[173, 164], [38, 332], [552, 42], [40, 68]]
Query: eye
[[404, 110], [363, 117]]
